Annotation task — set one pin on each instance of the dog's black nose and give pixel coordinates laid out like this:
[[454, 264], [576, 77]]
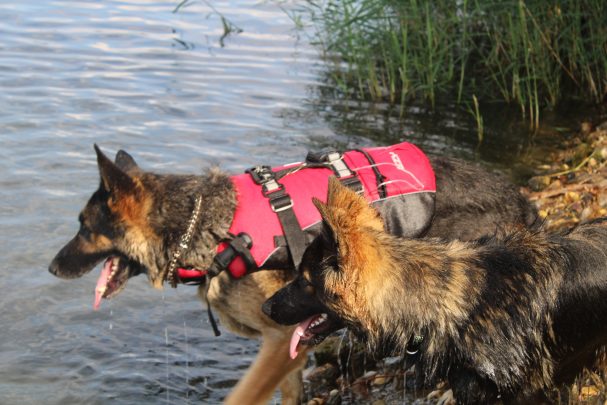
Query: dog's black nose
[[266, 308]]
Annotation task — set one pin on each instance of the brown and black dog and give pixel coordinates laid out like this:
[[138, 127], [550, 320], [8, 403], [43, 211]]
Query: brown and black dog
[[135, 218], [503, 317]]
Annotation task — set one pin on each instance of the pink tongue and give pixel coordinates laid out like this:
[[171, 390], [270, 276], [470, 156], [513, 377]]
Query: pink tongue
[[102, 283], [297, 334]]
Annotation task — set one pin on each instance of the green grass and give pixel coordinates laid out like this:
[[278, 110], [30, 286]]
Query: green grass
[[533, 53]]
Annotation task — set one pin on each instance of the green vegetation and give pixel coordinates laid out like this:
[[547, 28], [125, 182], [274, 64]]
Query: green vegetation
[[534, 53], [229, 28]]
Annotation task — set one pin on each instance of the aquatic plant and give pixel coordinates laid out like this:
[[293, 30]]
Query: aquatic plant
[[532, 53], [229, 28]]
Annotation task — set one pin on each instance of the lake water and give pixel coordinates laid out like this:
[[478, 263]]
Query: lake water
[[134, 75]]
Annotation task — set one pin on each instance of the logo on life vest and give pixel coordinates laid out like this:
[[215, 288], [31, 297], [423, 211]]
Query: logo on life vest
[[397, 162]]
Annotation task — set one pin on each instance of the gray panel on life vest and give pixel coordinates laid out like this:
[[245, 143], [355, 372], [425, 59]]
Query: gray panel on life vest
[[407, 215]]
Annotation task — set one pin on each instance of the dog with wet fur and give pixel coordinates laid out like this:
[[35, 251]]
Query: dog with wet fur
[[135, 219], [503, 318]]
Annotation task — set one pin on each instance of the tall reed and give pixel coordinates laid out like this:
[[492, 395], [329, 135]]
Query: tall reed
[[534, 53]]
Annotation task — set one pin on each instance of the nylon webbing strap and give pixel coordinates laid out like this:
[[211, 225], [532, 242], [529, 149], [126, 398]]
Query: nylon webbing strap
[[282, 205], [353, 183], [334, 160], [340, 168], [239, 245], [379, 178]]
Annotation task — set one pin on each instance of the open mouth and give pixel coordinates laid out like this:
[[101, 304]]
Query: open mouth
[[114, 275], [312, 331]]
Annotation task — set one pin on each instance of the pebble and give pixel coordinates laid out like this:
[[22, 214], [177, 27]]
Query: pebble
[[589, 391], [586, 213], [392, 361], [539, 182], [381, 380], [334, 398], [446, 398], [434, 394], [586, 127], [327, 373]]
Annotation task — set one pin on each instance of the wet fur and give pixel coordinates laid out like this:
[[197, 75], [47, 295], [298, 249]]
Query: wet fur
[[141, 215], [502, 317]]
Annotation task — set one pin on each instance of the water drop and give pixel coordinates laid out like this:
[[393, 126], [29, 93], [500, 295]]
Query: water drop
[[166, 340], [187, 360]]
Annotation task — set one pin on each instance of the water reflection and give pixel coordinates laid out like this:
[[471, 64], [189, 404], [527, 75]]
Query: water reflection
[[509, 145]]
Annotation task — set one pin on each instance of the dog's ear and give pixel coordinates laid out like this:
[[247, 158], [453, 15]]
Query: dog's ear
[[328, 232], [321, 207], [113, 179], [126, 163], [347, 217], [346, 208]]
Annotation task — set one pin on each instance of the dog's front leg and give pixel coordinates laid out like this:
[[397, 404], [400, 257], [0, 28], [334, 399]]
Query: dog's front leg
[[272, 368], [291, 387]]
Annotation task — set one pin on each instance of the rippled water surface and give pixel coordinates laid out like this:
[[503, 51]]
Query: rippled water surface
[[134, 75]]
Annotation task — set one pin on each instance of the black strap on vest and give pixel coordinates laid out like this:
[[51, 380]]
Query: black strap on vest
[[379, 178], [334, 160], [238, 245], [282, 205], [212, 320]]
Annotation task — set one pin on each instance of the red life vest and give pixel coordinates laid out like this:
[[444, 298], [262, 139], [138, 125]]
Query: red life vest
[[404, 169]]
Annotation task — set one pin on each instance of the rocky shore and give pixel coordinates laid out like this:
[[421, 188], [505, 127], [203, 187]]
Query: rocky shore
[[569, 188], [572, 188]]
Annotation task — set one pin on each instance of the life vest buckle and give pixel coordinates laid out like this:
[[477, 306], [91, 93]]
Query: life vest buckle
[[261, 174]]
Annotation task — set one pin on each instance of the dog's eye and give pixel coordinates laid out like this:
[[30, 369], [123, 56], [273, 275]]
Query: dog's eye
[[305, 285], [303, 282], [329, 262]]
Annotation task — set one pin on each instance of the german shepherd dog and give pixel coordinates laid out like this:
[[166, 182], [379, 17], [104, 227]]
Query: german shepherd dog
[[135, 219], [504, 317]]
